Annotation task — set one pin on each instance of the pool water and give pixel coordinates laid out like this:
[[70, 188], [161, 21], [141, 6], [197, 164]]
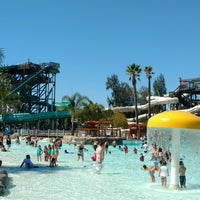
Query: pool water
[[120, 178]]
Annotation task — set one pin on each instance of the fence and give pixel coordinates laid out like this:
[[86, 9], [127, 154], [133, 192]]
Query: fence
[[43, 133]]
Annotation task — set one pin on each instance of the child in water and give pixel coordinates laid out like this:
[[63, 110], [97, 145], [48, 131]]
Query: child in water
[[141, 157], [94, 157], [151, 170], [53, 162]]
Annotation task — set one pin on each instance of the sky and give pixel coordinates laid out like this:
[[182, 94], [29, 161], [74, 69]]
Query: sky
[[95, 39]]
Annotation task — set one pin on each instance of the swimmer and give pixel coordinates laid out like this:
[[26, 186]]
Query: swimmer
[[94, 157], [53, 162], [28, 163], [17, 141], [68, 152], [114, 143], [141, 157], [151, 170], [156, 163], [144, 167], [125, 149], [120, 148], [182, 171], [135, 150], [163, 173], [99, 156], [80, 153]]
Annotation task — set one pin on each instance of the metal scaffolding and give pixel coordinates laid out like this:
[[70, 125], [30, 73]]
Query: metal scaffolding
[[35, 85], [188, 93]]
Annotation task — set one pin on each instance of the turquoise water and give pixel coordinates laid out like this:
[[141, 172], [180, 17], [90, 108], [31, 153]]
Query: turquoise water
[[121, 176]]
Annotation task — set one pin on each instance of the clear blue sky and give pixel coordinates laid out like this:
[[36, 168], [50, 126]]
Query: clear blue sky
[[94, 39]]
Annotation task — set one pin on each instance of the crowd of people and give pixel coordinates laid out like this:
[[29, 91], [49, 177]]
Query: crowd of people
[[49, 153]]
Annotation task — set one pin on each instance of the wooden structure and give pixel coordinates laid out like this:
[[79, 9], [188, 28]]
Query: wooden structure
[[98, 129], [137, 131]]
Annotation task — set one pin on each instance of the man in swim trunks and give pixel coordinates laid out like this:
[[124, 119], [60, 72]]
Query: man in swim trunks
[[182, 170], [99, 155]]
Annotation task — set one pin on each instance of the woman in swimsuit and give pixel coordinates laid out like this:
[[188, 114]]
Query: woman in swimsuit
[[163, 173]]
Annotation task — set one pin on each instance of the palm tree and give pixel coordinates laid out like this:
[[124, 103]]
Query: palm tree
[[148, 70], [1, 55], [134, 71], [76, 102], [8, 102]]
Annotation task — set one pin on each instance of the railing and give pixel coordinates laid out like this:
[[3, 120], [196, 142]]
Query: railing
[[95, 132], [43, 133]]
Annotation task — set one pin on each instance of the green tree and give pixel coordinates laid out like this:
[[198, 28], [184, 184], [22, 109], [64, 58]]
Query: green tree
[[9, 103], [119, 120], [121, 94], [76, 103], [92, 112], [149, 71], [4, 91], [159, 86], [134, 72], [159, 90]]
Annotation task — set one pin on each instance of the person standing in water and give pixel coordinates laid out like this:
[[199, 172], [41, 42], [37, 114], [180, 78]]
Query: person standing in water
[[39, 153], [151, 171], [80, 152], [8, 141], [125, 149], [163, 173], [99, 156], [182, 170]]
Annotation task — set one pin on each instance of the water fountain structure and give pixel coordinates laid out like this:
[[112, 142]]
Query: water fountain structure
[[171, 129]]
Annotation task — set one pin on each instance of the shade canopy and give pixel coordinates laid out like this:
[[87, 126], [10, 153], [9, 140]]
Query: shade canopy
[[174, 119]]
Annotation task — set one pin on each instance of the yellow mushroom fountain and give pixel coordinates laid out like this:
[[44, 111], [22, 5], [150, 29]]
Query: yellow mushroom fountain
[[174, 127]]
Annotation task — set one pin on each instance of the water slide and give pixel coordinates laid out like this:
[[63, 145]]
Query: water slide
[[155, 100], [27, 117], [32, 74], [193, 110]]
